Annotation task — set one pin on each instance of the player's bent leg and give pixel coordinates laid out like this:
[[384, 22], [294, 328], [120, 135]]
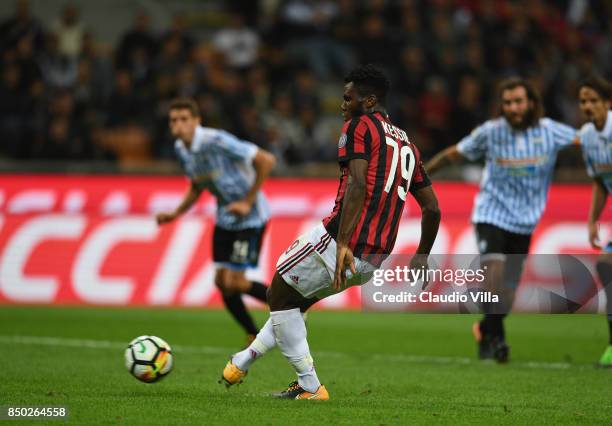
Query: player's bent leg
[[235, 281], [489, 330], [290, 332], [258, 291], [225, 280], [263, 342], [286, 305], [238, 365]]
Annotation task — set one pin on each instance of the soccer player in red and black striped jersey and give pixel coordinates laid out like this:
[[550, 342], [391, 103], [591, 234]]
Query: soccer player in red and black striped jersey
[[379, 166], [392, 168]]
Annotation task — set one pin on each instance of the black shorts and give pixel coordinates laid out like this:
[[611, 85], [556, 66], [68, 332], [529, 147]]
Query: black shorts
[[494, 240], [237, 249]]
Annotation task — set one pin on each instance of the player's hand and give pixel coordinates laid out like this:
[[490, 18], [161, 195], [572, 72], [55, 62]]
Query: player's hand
[[594, 236], [419, 262], [239, 208], [344, 260], [162, 218]]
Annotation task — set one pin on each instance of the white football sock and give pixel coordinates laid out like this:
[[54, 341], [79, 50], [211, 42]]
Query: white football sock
[[264, 341], [290, 332]]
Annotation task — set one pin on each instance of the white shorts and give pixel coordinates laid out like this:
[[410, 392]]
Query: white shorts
[[309, 264]]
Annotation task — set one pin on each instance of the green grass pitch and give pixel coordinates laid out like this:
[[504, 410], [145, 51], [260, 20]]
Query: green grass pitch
[[378, 368]]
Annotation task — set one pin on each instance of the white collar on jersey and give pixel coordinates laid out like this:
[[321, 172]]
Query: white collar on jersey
[[198, 139]]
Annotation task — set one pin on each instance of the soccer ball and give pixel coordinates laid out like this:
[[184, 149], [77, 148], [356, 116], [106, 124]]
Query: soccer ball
[[148, 358]]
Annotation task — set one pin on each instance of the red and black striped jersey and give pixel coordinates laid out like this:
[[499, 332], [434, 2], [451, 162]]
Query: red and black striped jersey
[[394, 169]]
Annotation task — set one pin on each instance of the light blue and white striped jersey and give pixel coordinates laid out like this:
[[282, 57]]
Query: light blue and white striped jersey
[[223, 164], [597, 151], [519, 166]]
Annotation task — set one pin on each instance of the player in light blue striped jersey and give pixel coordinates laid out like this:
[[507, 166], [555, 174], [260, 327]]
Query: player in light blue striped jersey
[[594, 96], [520, 150], [233, 170]]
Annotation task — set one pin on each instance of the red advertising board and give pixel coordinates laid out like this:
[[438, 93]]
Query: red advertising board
[[93, 239]]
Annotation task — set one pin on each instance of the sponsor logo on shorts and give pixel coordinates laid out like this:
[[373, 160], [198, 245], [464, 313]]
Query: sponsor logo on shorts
[[294, 278]]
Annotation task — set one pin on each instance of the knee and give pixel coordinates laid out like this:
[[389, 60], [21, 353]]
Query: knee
[[220, 284], [235, 282], [224, 283], [275, 297]]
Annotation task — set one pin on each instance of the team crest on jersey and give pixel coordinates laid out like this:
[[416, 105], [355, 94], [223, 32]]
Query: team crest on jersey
[[342, 141]]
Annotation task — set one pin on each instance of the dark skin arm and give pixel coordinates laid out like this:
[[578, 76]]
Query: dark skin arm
[[263, 163], [598, 202], [354, 199], [445, 158], [190, 198], [430, 222]]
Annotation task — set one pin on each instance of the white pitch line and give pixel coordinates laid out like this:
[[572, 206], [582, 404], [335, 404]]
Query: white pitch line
[[218, 350], [101, 344]]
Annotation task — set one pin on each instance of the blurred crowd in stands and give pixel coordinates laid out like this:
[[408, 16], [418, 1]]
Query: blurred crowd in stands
[[271, 72]]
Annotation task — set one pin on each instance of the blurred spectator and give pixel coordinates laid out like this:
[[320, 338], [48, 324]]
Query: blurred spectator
[[251, 127], [232, 97], [29, 69], [411, 32], [126, 105], [284, 129], [305, 93], [100, 68], [60, 141], [259, 87], [468, 110], [22, 25], [319, 138], [69, 32], [280, 69], [170, 57], [59, 70], [434, 110], [13, 110], [374, 44], [238, 43], [178, 30], [411, 71], [310, 38], [137, 49], [344, 22]]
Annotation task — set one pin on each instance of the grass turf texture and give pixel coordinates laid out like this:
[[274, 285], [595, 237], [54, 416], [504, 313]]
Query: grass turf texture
[[378, 368]]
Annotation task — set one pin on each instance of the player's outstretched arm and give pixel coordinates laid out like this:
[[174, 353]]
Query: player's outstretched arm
[[598, 202], [263, 163], [354, 200], [445, 158], [190, 198]]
